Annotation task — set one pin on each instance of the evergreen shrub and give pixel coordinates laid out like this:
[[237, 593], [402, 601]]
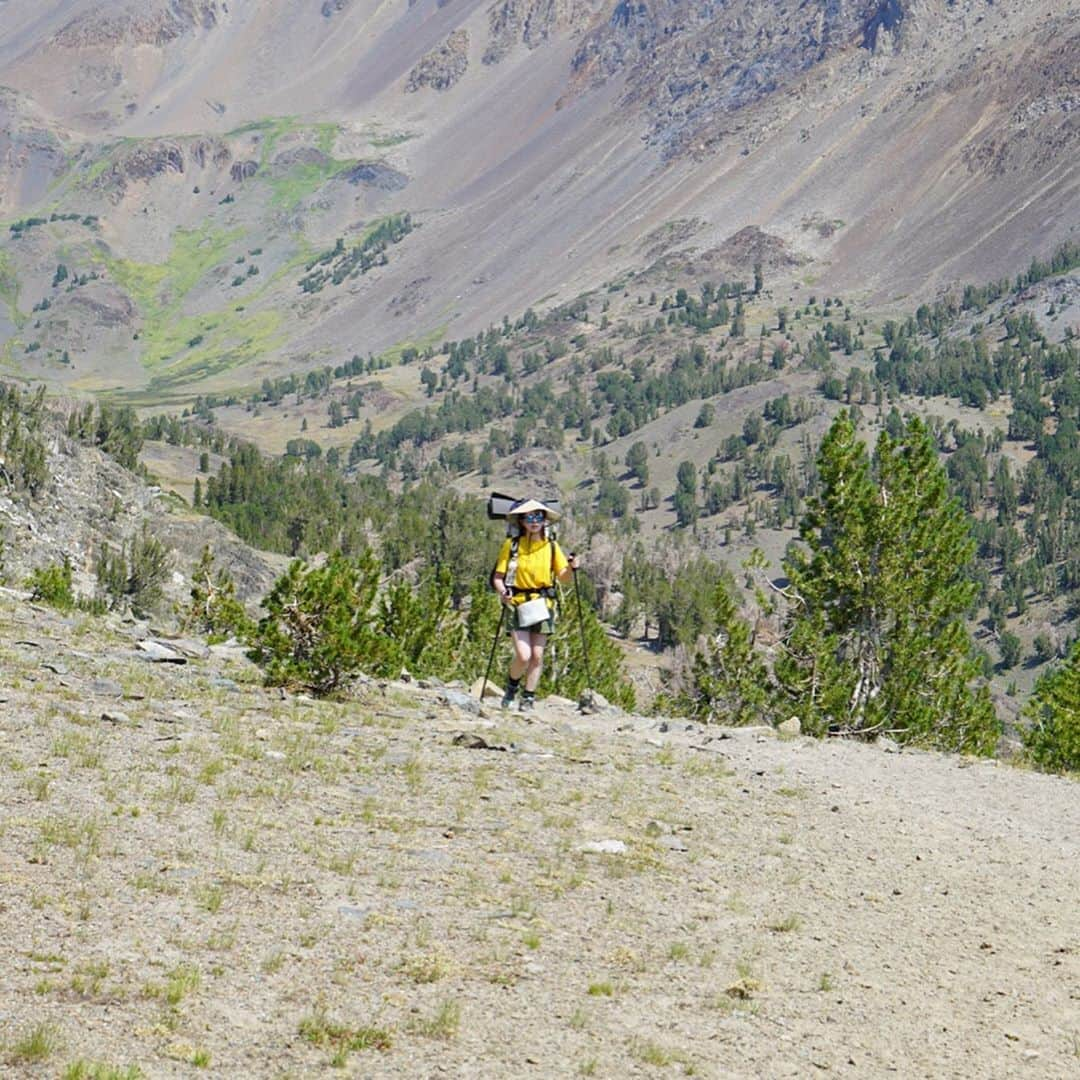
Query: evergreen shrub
[[1053, 740]]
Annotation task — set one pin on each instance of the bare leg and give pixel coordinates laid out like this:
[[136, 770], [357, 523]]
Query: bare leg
[[536, 660], [522, 653]]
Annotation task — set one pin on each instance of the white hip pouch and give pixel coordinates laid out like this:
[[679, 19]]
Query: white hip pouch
[[532, 612]]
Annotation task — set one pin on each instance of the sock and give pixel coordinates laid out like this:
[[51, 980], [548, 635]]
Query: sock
[[512, 686]]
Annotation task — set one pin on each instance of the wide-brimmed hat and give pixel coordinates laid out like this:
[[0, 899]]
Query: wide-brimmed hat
[[528, 506]]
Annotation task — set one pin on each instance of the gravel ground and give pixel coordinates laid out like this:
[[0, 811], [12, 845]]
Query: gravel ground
[[199, 874]]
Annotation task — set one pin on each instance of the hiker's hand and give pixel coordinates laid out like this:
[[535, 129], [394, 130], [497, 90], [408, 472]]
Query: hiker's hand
[[572, 561], [506, 597]]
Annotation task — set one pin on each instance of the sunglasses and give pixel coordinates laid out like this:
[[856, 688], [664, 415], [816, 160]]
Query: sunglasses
[[532, 518]]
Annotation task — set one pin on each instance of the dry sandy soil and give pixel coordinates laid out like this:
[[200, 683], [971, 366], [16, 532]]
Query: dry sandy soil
[[197, 872]]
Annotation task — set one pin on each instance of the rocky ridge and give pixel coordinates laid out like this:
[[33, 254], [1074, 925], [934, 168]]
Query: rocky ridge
[[686, 64], [90, 501], [533, 22]]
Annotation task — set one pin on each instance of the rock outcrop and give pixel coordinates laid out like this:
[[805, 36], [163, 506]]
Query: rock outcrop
[[377, 175], [531, 23], [135, 25], [243, 170], [140, 164], [210, 153], [689, 63], [441, 68]]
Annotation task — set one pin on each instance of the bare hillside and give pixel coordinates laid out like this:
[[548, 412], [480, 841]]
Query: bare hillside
[[887, 148], [198, 873]]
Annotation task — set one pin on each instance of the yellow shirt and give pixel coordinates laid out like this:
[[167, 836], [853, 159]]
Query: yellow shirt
[[533, 566]]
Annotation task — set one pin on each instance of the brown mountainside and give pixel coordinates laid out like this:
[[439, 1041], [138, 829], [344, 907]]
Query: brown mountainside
[[887, 147]]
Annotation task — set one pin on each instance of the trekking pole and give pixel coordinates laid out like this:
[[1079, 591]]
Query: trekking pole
[[581, 627], [494, 646]]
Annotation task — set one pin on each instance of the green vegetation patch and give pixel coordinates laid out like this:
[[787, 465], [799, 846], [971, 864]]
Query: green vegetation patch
[[304, 180], [290, 190], [231, 340], [432, 339], [191, 346], [159, 289], [274, 128]]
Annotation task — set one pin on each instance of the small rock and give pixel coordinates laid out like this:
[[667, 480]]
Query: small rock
[[55, 667], [274, 755], [890, 746], [672, 843], [116, 717], [790, 726], [351, 912], [157, 653], [493, 690], [189, 647], [472, 741], [459, 700], [603, 847], [592, 701], [223, 683]]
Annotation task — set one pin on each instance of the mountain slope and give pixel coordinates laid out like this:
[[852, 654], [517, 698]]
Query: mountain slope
[[889, 147]]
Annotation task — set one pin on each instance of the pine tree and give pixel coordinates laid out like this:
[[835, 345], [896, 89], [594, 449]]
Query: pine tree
[[729, 683], [214, 608], [875, 638], [423, 632], [581, 656], [319, 629], [1053, 740]]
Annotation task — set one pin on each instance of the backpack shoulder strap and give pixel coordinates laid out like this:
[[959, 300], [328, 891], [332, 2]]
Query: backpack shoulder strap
[[512, 563]]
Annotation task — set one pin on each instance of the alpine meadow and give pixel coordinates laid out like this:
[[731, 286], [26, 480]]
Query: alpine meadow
[[539, 538]]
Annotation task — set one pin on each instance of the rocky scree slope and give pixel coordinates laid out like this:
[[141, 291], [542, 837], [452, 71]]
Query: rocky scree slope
[[90, 502], [937, 139]]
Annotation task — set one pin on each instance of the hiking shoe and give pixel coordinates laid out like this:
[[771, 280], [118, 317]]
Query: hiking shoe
[[528, 704], [508, 699]]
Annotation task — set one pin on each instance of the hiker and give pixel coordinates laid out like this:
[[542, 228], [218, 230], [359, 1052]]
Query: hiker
[[525, 575]]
